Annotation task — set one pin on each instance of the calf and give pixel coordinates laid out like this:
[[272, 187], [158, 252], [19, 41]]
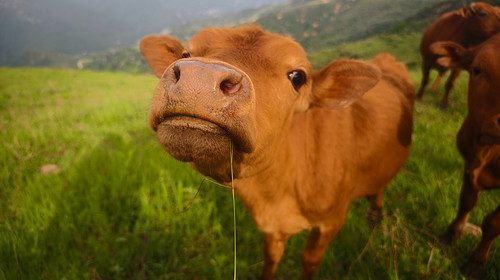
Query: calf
[[478, 139], [305, 144], [468, 26]]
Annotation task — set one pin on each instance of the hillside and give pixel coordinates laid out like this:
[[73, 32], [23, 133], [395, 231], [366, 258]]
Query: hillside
[[317, 24], [85, 26], [325, 28]]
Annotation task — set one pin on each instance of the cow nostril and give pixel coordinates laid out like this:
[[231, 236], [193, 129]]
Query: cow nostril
[[229, 87], [177, 73]]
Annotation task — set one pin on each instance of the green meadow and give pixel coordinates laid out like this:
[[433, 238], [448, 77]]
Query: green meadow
[[120, 208]]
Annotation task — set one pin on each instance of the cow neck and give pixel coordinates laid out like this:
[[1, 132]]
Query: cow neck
[[470, 139], [269, 168], [296, 165], [480, 137]]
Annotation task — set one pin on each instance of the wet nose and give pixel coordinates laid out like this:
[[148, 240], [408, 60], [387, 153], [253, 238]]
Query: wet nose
[[190, 76]]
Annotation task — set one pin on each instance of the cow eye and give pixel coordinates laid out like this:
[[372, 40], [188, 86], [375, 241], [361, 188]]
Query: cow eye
[[298, 78], [186, 54], [476, 71]]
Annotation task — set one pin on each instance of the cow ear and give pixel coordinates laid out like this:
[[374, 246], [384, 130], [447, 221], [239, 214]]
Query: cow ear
[[342, 83], [452, 54], [465, 12], [476, 9], [160, 51]]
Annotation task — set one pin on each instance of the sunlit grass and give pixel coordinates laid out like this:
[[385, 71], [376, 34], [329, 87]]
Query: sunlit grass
[[403, 46], [115, 211]]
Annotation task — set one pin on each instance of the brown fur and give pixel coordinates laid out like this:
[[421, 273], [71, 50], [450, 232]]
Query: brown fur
[[303, 153], [468, 26], [478, 140]]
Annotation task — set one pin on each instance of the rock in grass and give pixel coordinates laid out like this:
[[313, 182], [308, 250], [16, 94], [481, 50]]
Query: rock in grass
[[49, 169]]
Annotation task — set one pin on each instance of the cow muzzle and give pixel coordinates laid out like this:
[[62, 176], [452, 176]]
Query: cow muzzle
[[490, 132], [200, 106]]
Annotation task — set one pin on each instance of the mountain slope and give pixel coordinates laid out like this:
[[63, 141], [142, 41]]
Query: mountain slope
[[317, 24], [325, 28], [79, 26]]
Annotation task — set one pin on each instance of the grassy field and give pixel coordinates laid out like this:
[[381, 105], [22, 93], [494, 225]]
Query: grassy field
[[120, 208]]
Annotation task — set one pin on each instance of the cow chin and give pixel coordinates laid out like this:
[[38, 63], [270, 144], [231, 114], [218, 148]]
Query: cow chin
[[194, 140]]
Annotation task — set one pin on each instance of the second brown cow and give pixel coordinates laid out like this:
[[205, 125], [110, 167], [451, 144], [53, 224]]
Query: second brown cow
[[478, 140], [468, 26], [305, 143]]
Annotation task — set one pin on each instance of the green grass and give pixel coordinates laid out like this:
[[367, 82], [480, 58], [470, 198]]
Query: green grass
[[403, 46], [115, 211]]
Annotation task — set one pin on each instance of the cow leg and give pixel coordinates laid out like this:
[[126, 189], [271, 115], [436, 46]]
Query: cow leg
[[491, 230], [435, 86], [374, 213], [426, 69], [273, 251], [450, 83], [314, 250], [468, 200]]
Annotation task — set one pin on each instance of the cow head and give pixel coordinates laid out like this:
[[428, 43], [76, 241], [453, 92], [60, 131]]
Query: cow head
[[483, 20], [243, 86], [483, 66]]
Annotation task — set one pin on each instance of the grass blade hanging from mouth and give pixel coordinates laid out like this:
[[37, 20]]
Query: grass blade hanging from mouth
[[234, 207]]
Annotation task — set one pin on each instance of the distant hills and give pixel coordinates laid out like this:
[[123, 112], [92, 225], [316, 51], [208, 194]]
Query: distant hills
[[48, 27], [316, 24]]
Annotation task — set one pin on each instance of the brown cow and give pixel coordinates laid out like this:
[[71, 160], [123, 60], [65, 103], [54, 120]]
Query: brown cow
[[468, 26], [305, 144], [478, 139]]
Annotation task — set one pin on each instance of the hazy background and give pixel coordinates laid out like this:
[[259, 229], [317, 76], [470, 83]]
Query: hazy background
[[103, 34], [80, 26]]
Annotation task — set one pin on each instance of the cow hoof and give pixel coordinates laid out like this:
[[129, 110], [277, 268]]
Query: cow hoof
[[374, 218], [448, 238], [472, 269]]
